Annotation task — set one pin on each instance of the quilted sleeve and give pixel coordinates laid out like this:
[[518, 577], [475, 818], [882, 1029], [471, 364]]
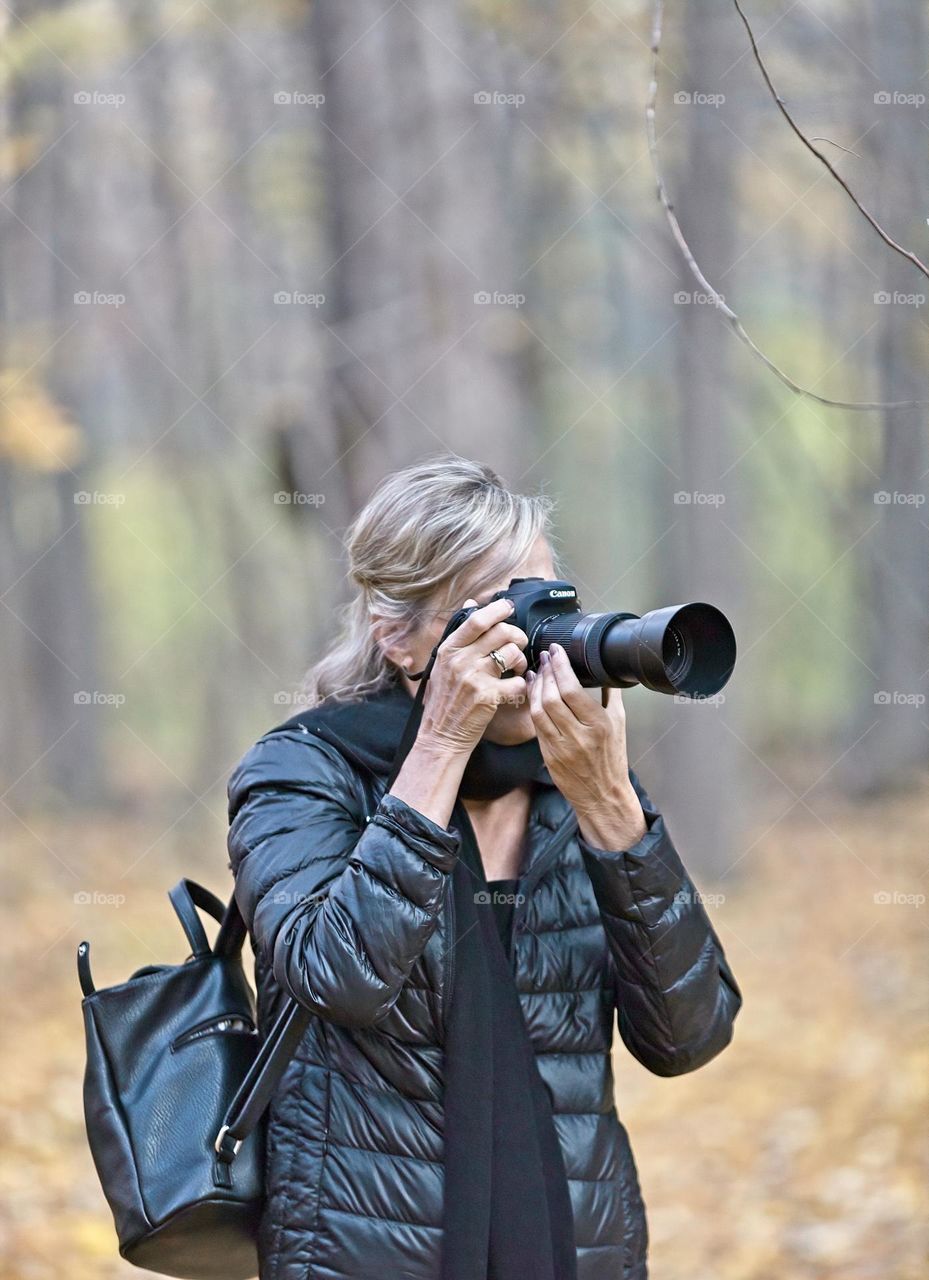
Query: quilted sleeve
[[338, 906], [676, 995]]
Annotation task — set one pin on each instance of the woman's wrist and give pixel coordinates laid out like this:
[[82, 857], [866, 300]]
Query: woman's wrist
[[430, 777], [432, 747], [617, 822]]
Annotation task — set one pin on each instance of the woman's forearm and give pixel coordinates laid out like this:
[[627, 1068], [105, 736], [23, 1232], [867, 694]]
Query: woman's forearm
[[429, 779], [618, 823]]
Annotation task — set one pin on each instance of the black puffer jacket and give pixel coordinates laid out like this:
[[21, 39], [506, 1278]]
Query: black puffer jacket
[[353, 919]]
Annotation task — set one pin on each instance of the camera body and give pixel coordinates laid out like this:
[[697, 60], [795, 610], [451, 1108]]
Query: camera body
[[685, 649], [549, 611]]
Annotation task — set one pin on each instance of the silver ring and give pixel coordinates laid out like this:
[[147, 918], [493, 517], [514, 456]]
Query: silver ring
[[499, 661]]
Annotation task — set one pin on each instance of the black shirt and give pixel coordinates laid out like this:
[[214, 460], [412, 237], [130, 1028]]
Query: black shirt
[[502, 901]]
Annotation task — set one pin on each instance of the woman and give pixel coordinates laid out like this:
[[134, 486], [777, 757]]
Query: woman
[[467, 939]]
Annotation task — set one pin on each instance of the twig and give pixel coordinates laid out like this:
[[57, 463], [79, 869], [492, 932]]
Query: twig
[[693, 266], [808, 143], [848, 151]]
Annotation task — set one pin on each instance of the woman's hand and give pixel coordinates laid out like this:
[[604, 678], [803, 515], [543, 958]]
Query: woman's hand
[[584, 748], [465, 687], [463, 692]]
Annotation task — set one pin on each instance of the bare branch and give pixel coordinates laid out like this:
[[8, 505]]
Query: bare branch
[[808, 143], [848, 151], [694, 267]]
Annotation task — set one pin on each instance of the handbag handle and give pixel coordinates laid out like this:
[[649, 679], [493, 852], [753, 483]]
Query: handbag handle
[[186, 897]]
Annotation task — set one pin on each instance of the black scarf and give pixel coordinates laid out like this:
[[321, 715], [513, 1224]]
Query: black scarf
[[373, 728], [507, 1208]]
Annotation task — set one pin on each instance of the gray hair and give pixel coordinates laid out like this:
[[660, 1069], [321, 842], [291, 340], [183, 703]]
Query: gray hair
[[412, 550]]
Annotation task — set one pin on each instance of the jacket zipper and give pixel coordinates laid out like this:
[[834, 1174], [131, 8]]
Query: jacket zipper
[[550, 851], [449, 954], [461, 813], [548, 854], [327, 1112]]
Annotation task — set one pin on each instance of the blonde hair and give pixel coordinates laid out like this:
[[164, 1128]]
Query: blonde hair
[[417, 542]]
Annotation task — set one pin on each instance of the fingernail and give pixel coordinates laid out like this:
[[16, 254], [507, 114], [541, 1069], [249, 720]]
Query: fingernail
[[529, 677], [556, 649], [544, 659]]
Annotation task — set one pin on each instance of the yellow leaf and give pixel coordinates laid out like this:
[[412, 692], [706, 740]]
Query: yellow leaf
[[35, 430]]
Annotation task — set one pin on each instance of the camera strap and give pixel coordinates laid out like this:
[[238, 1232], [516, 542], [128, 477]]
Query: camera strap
[[416, 711]]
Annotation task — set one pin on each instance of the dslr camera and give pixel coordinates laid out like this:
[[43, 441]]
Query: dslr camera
[[686, 649]]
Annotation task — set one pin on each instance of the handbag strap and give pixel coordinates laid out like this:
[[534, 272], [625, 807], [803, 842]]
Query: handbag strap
[[263, 1077], [265, 1074], [258, 1087]]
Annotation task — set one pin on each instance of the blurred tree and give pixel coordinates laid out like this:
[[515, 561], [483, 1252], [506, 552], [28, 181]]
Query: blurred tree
[[52, 602], [898, 586], [415, 178], [211, 193], [702, 754]]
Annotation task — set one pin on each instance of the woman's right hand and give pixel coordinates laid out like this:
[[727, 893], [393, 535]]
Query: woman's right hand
[[465, 687]]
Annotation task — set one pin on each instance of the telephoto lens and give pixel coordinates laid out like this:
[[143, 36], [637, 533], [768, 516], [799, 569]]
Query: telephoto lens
[[685, 649]]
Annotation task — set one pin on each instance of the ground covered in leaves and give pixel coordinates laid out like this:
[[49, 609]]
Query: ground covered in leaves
[[799, 1154]]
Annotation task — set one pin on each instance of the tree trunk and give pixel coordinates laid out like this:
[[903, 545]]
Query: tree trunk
[[414, 172], [701, 755], [897, 743]]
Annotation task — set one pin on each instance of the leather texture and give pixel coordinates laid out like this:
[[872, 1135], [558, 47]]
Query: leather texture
[[166, 1052], [349, 914]]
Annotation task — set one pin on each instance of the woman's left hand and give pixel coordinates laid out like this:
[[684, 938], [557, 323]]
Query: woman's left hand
[[584, 748]]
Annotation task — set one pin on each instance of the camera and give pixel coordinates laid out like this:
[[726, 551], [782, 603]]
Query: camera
[[685, 649]]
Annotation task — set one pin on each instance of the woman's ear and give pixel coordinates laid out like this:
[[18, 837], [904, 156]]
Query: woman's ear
[[393, 648]]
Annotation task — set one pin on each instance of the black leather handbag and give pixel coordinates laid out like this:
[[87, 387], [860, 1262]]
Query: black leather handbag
[[175, 1087]]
